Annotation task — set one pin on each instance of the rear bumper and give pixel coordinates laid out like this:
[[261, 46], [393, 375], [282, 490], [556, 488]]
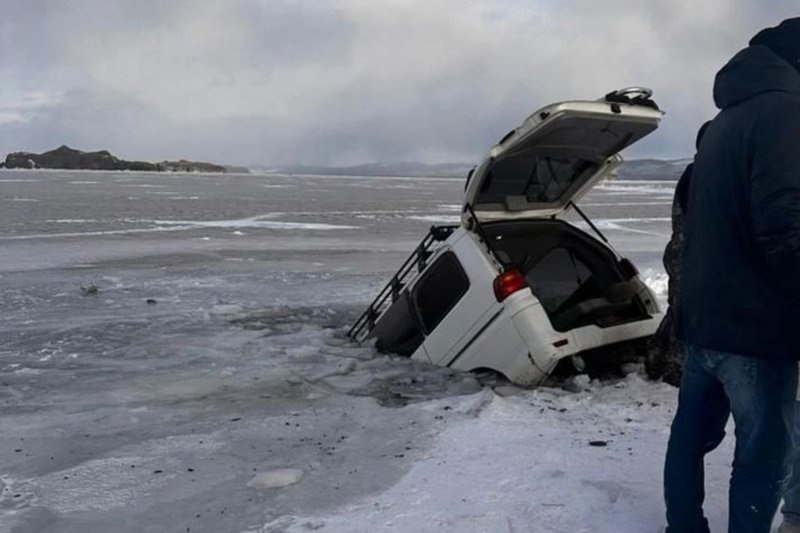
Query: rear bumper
[[546, 346]]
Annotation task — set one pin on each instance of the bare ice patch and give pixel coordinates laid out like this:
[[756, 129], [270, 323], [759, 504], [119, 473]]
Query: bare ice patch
[[626, 204], [625, 225], [91, 233], [440, 219], [253, 222], [73, 221], [645, 188], [135, 472]]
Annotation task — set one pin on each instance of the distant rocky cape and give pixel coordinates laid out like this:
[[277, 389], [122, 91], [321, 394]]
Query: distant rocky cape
[[68, 158]]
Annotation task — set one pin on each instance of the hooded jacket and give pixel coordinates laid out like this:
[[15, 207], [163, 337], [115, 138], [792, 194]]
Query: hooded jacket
[[740, 287]]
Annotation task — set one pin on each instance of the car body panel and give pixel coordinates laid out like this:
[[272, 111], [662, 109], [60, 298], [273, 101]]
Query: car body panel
[[465, 318], [554, 158]]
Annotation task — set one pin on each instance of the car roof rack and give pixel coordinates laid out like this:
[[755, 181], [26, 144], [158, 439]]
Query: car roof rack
[[632, 96], [412, 266]]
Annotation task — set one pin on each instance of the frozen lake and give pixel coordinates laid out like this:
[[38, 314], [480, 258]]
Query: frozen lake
[[173, 358]]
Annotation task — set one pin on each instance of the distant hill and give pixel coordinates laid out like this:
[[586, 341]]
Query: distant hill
[[67, 158], [636, 169]]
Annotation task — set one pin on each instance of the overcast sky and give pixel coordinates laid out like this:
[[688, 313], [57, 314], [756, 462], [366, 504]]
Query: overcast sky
[[348, 81]]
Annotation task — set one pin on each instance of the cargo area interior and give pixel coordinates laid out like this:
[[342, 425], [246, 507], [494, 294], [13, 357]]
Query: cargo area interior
[[577, 280]]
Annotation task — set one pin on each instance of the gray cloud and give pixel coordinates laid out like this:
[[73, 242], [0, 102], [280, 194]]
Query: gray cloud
[[346, 81]]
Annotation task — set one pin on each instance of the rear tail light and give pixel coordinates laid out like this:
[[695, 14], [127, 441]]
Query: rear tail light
[[508, 283]]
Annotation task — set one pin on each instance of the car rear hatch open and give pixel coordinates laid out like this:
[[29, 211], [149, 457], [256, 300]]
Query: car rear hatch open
[[557, 155]]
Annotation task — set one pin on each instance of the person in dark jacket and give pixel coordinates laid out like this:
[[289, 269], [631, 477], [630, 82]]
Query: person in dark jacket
[[665, 353], [737, 308]]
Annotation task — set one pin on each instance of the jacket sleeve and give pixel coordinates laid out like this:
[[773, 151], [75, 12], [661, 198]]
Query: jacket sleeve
[[775, 193]]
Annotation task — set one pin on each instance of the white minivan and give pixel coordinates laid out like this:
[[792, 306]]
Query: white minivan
[[514, 288]]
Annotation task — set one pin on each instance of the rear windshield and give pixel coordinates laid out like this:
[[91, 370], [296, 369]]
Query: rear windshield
[[536, 179]]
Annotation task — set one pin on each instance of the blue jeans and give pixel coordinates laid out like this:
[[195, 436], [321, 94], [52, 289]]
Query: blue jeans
[[791, 495], [760, 394]]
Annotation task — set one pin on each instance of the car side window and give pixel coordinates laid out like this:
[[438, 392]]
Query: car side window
[[439, 291]]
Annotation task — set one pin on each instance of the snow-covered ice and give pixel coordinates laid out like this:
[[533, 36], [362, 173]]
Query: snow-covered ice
[[542, 461], [212, 363]]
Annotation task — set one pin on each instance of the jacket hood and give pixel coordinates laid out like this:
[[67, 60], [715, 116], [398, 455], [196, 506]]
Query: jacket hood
[[783, 39], [753, 71]]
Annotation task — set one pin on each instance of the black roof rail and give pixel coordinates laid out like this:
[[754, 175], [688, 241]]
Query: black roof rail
[[412, 266], [641, 96]]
